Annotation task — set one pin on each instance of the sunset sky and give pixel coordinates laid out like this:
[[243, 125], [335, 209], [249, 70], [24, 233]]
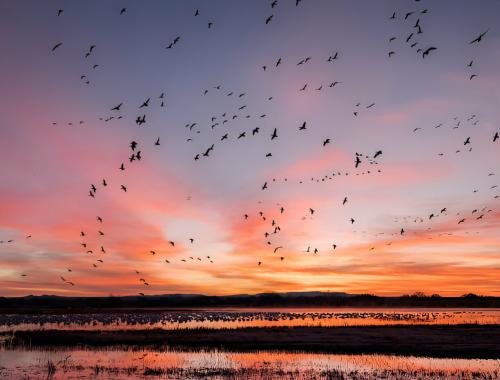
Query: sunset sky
[[48, 164]]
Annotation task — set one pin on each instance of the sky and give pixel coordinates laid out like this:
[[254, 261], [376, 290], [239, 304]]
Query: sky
[[59, 136]]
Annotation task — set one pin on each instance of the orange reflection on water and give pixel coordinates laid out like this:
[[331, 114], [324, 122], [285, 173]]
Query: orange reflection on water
[[239, 318], [140, 364]]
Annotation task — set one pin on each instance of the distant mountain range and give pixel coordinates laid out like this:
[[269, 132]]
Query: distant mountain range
[[287, 299], [289, 295]]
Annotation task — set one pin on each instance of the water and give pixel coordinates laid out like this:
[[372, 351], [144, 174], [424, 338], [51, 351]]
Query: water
[[215, 364], [237, 318]]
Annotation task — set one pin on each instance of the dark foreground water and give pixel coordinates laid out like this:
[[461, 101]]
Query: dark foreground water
[[115, 363]]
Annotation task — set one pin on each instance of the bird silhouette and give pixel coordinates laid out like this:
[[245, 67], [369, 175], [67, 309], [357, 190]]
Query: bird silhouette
[[427, 51], [274, 134], [117, 108], [357, 161], [140, 120], [479, 38]]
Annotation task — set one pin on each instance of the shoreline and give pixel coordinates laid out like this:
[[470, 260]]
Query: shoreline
[[457, 341]]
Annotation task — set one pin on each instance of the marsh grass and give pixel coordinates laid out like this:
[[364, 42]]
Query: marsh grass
[[51, 368], [113, 363]]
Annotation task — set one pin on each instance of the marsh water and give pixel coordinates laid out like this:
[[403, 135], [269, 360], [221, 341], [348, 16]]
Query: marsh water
[[237, 318], [167, 363], [215, 364]]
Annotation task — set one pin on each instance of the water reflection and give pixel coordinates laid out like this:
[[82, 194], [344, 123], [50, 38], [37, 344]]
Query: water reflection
[[214, 364], [237, 318]]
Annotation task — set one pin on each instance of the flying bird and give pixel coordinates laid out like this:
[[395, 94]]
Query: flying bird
[[275, 134], [56, 46], [408, 15], [357, 161], [427, 51], [479, 38]]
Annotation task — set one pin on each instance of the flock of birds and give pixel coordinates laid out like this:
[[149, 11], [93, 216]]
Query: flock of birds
[[219, 123], [230, 319]]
